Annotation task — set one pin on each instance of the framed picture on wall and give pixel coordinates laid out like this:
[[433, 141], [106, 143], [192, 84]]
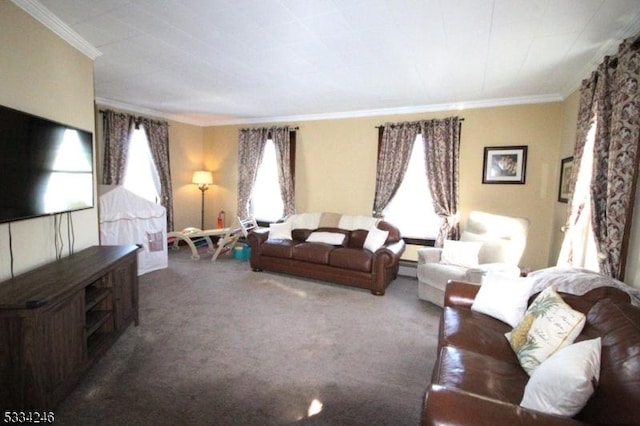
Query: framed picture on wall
[[504, 164], [566, 167]]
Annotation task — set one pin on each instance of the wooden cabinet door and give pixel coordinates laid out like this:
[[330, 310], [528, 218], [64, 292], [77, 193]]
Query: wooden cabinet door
[[125, 278], [63, 351]]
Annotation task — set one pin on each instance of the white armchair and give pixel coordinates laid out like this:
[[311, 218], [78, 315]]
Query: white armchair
[[503, 240]]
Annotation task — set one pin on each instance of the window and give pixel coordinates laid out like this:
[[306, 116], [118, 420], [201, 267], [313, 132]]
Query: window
[[266, 198], [411, 209], [141, 175], [579, 245]]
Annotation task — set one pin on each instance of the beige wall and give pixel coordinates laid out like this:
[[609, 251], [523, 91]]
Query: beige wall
[[336, 166], [45, 76], [185, 155]]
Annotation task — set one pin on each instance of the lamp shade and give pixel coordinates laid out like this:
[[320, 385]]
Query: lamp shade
[[202, 177]]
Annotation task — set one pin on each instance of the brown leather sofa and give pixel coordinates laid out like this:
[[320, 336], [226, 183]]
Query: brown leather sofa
[[477, 379], [349, 263]]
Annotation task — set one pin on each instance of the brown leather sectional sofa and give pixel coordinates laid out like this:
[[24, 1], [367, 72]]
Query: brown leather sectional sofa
[[348, 263], [477, 379]]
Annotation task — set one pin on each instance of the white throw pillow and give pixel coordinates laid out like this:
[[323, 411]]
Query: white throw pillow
[[503, 297], [375, 238], [461, 253], [333, 238], [564, 383], [548, 325], [280, 231]]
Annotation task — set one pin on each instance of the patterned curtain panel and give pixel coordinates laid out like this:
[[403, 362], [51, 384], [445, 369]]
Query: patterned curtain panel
[[251, 144], [616, 159], [393, 159], [282, 141], [158, 134], [117, 130], [442, 152], [615, 110]]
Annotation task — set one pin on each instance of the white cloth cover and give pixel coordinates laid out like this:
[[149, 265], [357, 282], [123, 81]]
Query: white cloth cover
[[126, 218]]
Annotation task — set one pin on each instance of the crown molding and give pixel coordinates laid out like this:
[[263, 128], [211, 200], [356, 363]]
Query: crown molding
[[51, 21], [489, 103], [213, 121]]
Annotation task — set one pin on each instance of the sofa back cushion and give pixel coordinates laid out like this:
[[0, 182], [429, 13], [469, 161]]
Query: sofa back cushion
[[616, 399], [301, 234], [357, 238], [504, 238]]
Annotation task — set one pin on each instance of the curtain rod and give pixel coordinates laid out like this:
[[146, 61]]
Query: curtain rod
[[392, 126], [137, 118], [292, 129]]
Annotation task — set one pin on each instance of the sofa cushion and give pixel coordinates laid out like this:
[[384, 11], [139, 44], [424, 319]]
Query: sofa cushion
[[616, 399], [312, 252], [301, 234], [331, 238], [375, 239], [563, 384], [347, 234], [480, 374], [467, 329], [548, 325], [357, 237], [277, 248], [280, 231], [460, 253], [503, 297], [350, 258]]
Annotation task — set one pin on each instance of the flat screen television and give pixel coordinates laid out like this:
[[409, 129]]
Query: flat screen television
[[45, 167]]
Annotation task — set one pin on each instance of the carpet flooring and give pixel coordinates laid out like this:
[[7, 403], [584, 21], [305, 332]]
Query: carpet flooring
[[219, 344]]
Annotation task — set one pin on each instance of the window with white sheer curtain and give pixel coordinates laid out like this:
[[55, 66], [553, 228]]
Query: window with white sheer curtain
[[266, 198], [141, 175], [579, 244], [411, 208]]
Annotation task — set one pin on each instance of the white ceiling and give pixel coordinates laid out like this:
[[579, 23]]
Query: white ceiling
[[242, 61]]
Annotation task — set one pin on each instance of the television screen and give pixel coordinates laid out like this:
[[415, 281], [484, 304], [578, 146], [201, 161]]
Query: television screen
[[45, 167]]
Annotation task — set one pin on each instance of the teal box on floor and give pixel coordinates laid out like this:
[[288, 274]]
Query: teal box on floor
[[242, 252]]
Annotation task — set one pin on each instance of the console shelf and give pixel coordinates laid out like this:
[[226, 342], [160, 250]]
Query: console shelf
[[58, 319]]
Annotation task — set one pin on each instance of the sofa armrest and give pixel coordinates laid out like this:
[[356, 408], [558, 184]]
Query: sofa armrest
[[460, 294], [429, 255], [257, 237], [396, 248], [450, 406]]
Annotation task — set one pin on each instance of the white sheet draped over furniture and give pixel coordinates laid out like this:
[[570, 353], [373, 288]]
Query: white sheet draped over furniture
[[126, 218], [502, 241]]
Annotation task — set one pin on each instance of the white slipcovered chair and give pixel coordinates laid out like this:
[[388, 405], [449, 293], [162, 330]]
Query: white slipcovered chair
[[501, 241]]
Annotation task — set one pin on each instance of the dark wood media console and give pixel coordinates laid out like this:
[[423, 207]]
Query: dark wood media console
[[56, 320]]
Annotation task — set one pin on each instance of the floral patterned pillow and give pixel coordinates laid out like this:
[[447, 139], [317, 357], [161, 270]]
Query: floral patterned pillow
[[548, 325]]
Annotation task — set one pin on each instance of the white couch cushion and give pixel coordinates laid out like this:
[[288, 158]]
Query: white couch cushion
[[563, 384], [461, 253], [502, 297], [280, 231], [375, 238], [333, 238]]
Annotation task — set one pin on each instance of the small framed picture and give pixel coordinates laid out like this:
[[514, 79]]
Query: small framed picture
[[504, 164], [566, 168]]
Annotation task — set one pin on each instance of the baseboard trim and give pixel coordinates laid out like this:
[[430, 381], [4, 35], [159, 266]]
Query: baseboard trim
[[408, 268]]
